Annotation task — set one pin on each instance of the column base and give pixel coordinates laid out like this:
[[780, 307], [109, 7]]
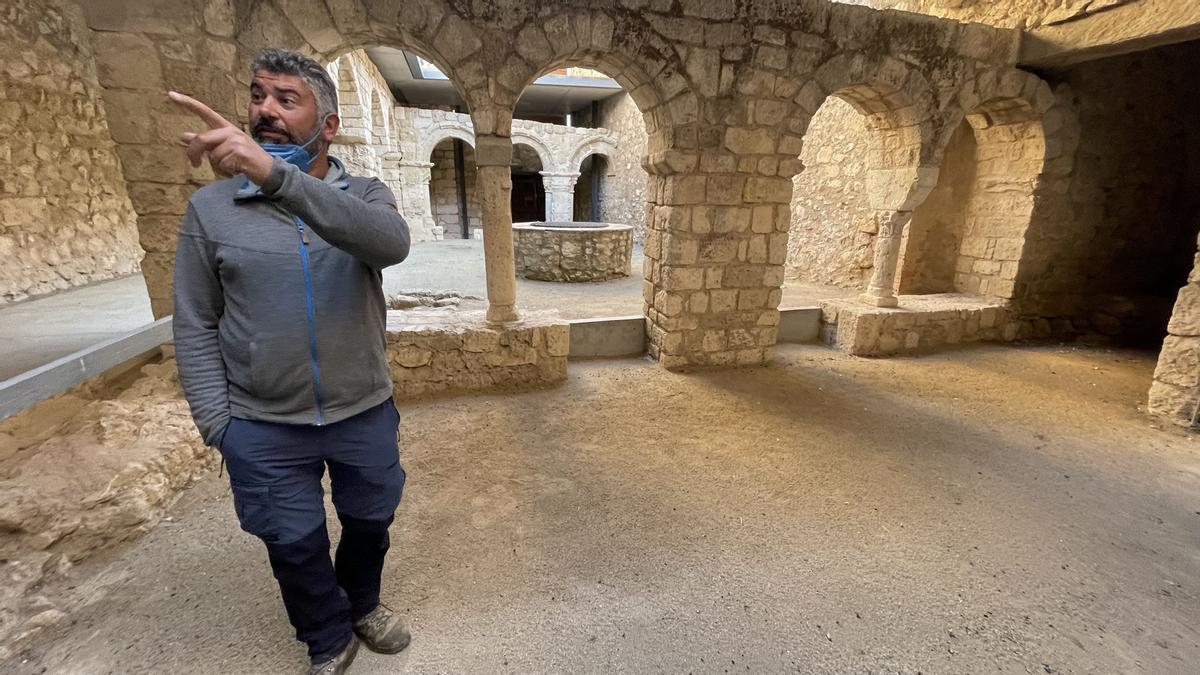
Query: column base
[[502, 313], [879, 301]]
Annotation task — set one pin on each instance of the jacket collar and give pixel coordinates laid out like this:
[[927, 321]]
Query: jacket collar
[[335, 176]]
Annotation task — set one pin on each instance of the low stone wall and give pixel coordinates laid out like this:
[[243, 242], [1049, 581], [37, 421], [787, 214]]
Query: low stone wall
[[572, 252], [435, 351], [922, 323]]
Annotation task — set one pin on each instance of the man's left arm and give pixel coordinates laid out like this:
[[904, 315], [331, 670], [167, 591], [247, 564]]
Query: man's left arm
[[369, 228]]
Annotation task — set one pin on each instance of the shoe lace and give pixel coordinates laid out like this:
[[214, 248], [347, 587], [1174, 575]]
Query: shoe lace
[[378, 619]]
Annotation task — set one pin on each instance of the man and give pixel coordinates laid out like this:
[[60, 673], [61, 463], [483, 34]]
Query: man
[[279, 337]]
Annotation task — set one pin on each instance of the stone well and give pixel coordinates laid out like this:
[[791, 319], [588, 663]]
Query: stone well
[[572, 251]]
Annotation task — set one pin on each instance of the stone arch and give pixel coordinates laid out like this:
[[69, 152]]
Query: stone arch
[[440, 132], [899, 104], [899, 107], [624, 47], [545, 155], [995, 129], [596, 145]]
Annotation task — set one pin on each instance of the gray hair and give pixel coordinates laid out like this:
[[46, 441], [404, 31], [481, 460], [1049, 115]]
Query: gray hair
[[287, 62]]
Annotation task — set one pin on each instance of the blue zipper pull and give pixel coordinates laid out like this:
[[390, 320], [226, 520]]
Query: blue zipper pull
[[303, 232]]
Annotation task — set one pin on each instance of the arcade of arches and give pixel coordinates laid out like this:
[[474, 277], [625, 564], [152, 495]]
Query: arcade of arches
[[827, 143], [928, 172]]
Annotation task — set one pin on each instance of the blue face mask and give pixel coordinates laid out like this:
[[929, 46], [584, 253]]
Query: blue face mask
[[295, 154]]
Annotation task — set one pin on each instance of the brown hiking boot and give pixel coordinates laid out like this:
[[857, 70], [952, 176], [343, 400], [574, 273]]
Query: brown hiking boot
[[382, 631], [338, 664]]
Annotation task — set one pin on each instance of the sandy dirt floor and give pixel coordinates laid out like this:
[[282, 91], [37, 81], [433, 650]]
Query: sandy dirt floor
[[997, 509]]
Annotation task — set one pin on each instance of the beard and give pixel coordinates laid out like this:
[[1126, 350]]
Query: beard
[[315, 146], [267, 124]]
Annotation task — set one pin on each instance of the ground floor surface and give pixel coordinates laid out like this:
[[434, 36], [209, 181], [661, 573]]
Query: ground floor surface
[[993, 509]]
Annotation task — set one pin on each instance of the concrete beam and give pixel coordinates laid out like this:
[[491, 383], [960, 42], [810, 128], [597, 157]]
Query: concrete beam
[[1123, 29], [799, 324], [31, 387], [611, 337]]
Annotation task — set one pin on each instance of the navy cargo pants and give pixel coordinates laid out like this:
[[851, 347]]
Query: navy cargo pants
[[275, 471]]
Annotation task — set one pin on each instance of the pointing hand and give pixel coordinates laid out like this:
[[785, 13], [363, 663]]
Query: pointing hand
[[230, 150]]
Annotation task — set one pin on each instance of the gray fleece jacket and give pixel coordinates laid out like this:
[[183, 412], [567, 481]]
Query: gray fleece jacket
[[279, 306]]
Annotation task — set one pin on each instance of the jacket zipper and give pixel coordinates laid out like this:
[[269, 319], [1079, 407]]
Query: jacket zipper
[[312, 319]]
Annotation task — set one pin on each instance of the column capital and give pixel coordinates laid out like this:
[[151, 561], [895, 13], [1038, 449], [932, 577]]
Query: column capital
[[559, 181]]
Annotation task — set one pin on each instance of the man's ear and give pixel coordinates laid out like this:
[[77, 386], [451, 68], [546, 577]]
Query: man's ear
[[330, 127]]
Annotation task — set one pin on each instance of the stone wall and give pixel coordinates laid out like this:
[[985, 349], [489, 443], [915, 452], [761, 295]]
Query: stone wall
[[1006, 13], [1175, 393], [832, 234], [444, 192], [968, 236], [65, 216], [432, 351], [365, 108], [935, 234], [572, 254], [1111, 245], [623, 183]]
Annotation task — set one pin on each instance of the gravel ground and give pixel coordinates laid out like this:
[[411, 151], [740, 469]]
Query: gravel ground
[[994, 509]]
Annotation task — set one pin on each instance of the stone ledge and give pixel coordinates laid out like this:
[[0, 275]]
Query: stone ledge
[[437, 351], [921, 324]]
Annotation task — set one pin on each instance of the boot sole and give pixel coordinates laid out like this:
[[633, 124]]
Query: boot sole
[[397, 650]]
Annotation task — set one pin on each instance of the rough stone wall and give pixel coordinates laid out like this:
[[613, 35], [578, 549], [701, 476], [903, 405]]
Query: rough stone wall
[[623, 184], [1110, 246], [1005, 13], [65, 217], [832, 234], [1009, 159], [435, 351], [583, 188], [935, 235], [443, 190], [1175, 393], [572, 254]]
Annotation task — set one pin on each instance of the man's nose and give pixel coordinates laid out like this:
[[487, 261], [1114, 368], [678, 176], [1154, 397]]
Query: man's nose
[[269, 109]]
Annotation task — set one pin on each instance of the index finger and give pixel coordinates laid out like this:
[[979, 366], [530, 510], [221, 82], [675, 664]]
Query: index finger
[[212, 118]]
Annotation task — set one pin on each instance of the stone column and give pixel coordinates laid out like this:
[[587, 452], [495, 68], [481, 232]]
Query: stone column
[[493, 188], [880, 291], [560, 195]]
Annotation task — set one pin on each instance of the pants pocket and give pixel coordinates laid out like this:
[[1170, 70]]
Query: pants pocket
[[252, 503], [225, 436]]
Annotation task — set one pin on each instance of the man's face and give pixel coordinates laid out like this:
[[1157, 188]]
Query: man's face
[[283, 109]]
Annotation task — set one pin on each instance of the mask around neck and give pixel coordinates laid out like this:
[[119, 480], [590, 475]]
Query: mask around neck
[[292, 153]]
